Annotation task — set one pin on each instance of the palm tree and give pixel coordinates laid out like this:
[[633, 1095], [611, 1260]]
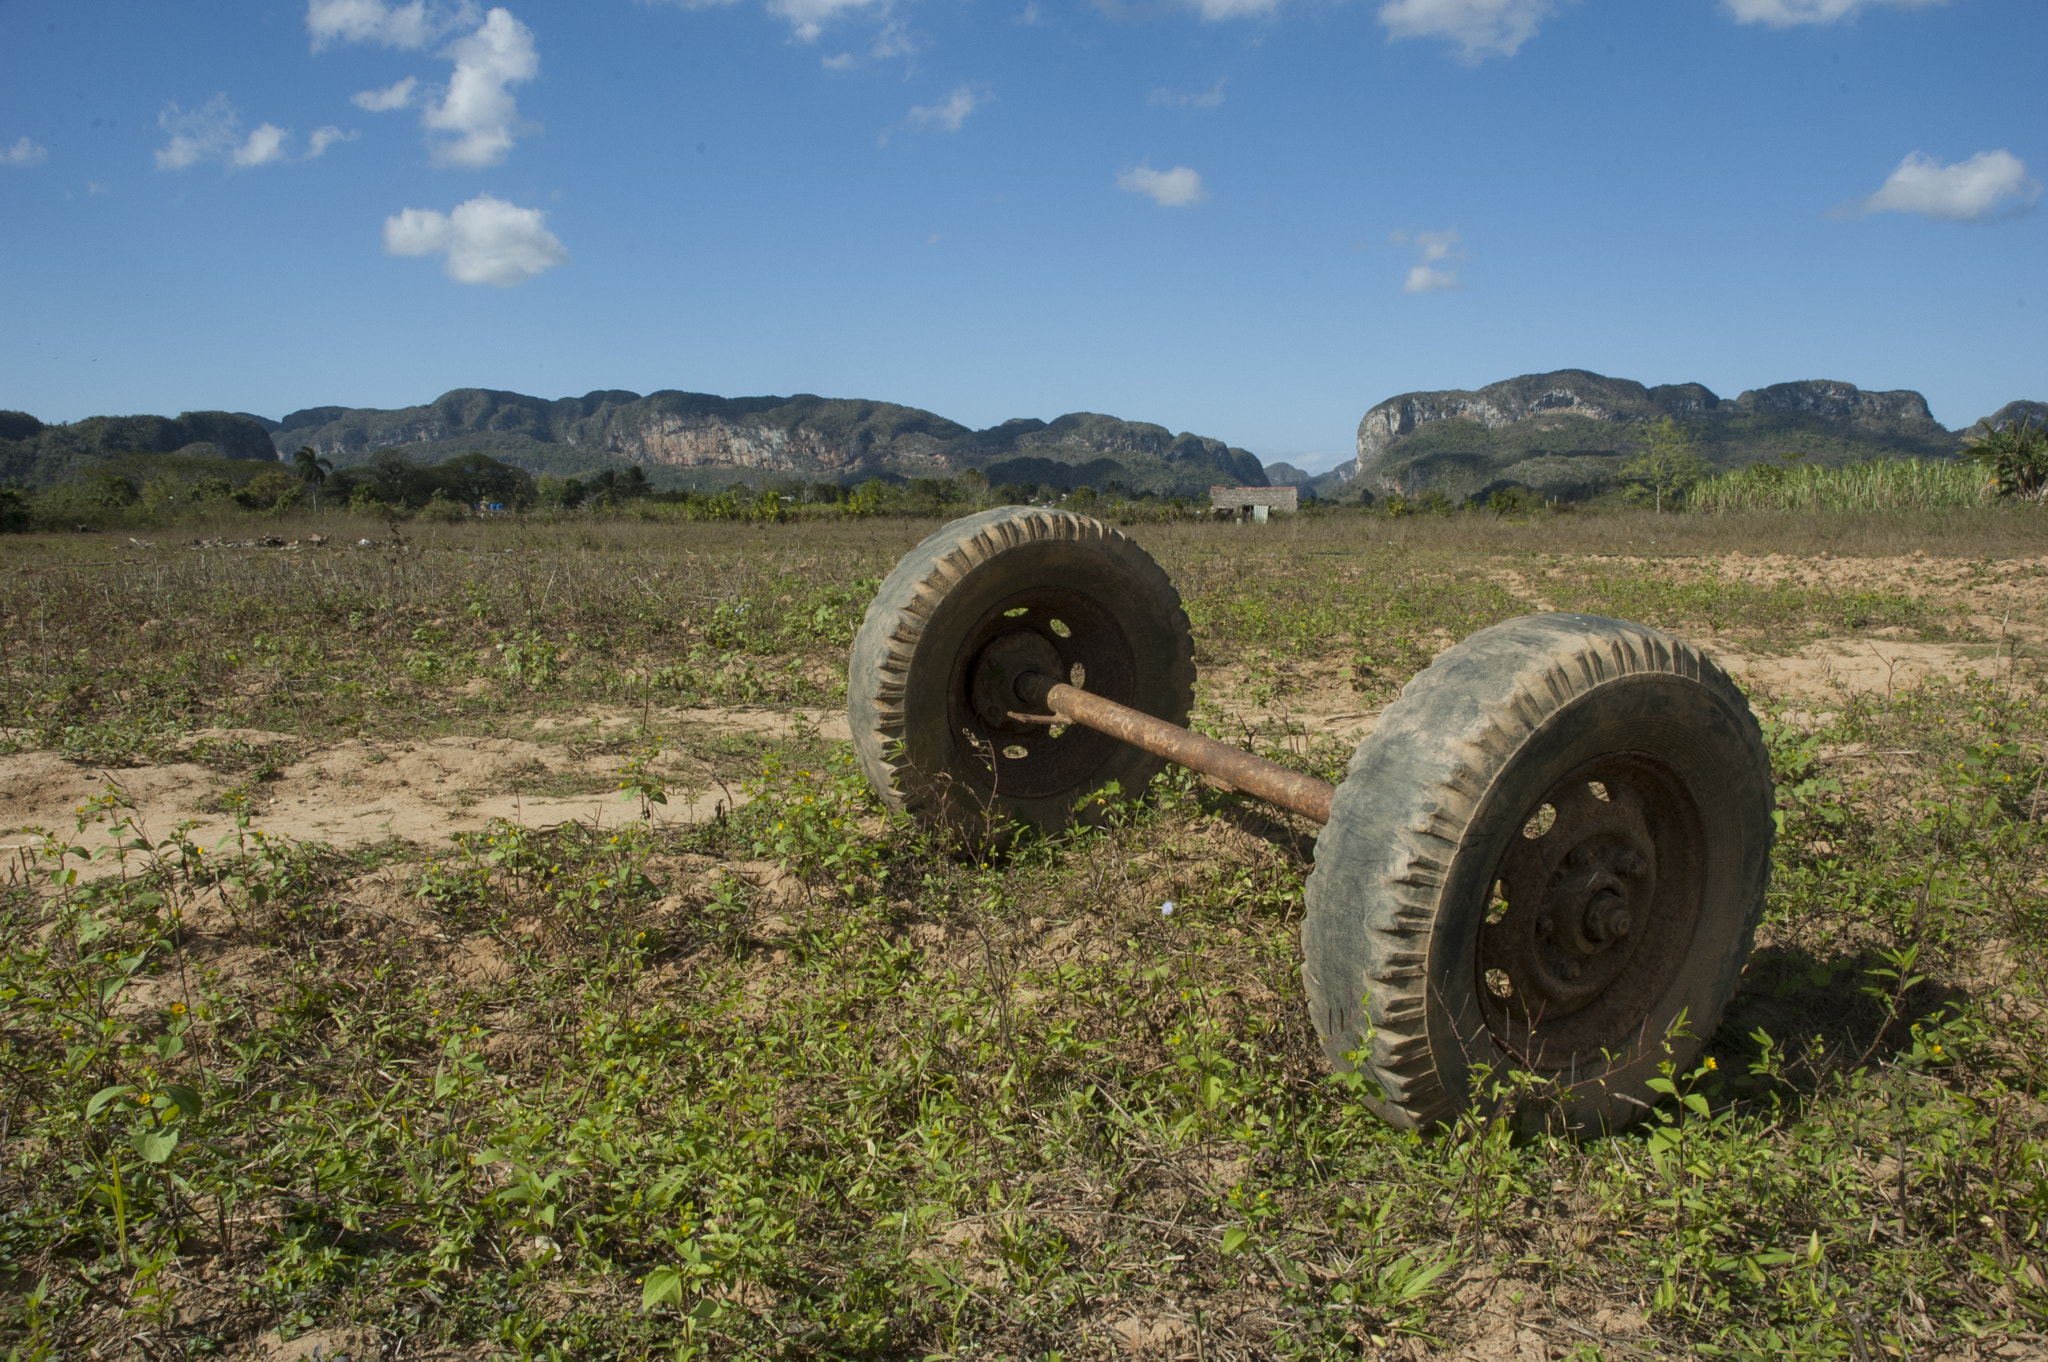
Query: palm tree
[[2016, 456], [312, 470]]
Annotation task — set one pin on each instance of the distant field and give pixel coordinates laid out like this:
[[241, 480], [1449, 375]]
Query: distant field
[[487, 949]]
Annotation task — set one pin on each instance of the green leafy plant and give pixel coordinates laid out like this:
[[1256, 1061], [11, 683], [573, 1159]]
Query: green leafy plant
[[2015, 456]]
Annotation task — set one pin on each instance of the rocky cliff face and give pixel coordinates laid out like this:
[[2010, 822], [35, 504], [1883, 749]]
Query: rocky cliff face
[[1542, 398], [2012, 413], [1556, 422], [784, 438], [1832, 401], [1532, 397]]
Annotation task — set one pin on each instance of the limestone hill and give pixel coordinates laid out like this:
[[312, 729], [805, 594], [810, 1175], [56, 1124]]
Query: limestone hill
[[694, 439], [1566, 434]]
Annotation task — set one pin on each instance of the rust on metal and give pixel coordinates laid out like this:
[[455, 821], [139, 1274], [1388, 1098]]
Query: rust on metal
[[1235, 767]]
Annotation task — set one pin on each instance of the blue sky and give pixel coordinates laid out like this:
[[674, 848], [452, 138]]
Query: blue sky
[[1252, 219]]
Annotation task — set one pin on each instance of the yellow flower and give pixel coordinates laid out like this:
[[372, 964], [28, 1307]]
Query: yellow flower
[[177, 1009], [1713, 1063]]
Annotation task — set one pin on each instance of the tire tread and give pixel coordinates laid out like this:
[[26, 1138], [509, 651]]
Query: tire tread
[[897, 618], [1568, 662]]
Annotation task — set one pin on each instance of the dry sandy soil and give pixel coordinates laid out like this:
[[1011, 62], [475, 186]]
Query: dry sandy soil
[[356, 792], [2002, 601]]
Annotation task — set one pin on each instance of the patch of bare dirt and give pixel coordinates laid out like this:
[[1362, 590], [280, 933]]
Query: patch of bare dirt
[[1309, 697], [1507, 1317], [1989, 586], [321, 1345], [356, 793], [763, 721], [1834, 668]]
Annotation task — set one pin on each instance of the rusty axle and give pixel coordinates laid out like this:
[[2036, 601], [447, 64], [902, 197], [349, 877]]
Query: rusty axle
[[1235, 767]]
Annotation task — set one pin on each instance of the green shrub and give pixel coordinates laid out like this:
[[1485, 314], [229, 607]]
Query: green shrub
[[2016, 457]]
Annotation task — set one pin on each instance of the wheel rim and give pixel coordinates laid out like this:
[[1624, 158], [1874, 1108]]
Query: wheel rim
[[1596, 899], [1049, 628]]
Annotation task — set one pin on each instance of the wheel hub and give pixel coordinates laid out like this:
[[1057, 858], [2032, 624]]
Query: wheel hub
[[1596, 896], [993, 685], [1589, 905], [1063, 634]]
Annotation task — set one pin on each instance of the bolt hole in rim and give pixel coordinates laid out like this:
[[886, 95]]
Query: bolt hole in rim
[[1056, 632], [1594, 915]]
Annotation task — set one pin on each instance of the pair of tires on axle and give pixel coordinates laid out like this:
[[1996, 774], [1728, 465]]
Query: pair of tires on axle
[[1549, 858]]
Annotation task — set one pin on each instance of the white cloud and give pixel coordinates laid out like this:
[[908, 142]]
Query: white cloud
[[1173, 99], [1786, 13], [409, 26], [478, 107], [893, 41], [1988, 185], [484, 241], [1215, 10], [1436, 249], [204, 133], [94, 188], [1479, 27], [1175, 188], [24, 153], [213, 132], [838, 62], [393, 96], [807, 18], [323, 138], [950, 115], [264, 145]]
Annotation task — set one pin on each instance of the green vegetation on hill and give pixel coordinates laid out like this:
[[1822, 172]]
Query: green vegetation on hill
[[679, 441], [1576, 459], [33, 454], [1569, 435], [702, 442]]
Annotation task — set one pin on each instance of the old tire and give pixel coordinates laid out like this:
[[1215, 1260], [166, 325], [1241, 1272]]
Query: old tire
[[1056, 590], [1451, 941]]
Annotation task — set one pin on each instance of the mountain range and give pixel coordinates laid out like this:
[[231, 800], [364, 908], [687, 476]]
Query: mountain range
[[696, 439], [1566, 434], [679, 439]]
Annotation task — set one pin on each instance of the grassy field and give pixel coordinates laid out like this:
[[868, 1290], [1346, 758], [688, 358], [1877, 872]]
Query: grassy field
[[768, 1073]]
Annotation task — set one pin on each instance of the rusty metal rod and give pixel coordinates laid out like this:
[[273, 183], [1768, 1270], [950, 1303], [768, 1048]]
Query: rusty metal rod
[[1235, 767]]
